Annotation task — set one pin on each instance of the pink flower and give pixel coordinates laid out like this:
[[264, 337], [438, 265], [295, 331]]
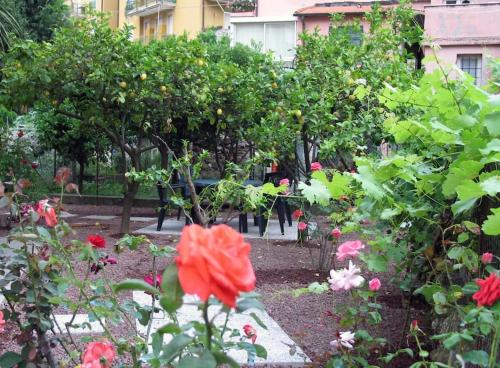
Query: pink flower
[[346, 340], [285, 182], [487, 258], [2, 321], [302, 226], [316, 166], [336, 233], [250, 332], [149, 279], [98, 355], [346, 279], [297, 214], [349, 249], [47, 212], [374, 284], [62, 175]]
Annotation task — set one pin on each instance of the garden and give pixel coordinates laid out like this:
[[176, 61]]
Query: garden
[[194, 203]]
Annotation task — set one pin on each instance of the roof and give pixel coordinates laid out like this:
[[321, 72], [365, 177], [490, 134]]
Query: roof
[[342, 7]]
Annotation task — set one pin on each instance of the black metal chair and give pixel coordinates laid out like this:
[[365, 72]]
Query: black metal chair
[[165, 200]]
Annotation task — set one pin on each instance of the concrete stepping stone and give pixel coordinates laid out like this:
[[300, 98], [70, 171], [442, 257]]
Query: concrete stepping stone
[[65, 214], [142, 219], [173, 227], [100, 217], [281, 349]]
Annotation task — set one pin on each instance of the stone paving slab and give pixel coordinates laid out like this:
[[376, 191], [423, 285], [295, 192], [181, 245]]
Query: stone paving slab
[[172, 226], [99, 217], [65, 214], [277, 343], [143, 219], [81, 320]]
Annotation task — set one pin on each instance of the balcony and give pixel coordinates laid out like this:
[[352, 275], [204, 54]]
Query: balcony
[[143, 8]]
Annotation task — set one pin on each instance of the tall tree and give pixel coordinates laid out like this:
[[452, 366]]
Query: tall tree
[[37, 19]]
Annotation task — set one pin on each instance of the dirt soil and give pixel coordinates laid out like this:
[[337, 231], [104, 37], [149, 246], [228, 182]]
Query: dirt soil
[[281, 267]]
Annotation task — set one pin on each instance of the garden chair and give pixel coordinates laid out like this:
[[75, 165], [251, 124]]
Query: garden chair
[[281, 205], [165, 200]]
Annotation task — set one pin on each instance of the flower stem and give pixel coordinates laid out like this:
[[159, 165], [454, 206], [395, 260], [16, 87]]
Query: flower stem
[[208, 326]]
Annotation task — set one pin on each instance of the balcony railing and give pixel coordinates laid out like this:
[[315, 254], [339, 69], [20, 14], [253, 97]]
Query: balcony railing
[[147, 7]]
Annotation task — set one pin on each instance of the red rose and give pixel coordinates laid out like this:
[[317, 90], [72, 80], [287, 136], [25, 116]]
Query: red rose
[[34, 165], [97, 241], [98, 355], [297, 214], [489, 291], [250, 332], [214, 261], [20, 133]]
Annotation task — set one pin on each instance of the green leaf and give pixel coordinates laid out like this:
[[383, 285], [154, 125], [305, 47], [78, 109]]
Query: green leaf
[[492, 224], [451, 341], [462, 206], [135, 285], [491, 186], [492, 122], [478, 357], [389, 212], [206, 360], [492, 146], [469, 190], [428, 291], [169, 328], [261, 351], [171, 299], [368, 182], [315, 193], [375, 262], [10, 359], [439, 298], [175, 347], [222, 358], [258, 320]]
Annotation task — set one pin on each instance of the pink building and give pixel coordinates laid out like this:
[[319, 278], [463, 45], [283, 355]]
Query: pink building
[[468, 31]]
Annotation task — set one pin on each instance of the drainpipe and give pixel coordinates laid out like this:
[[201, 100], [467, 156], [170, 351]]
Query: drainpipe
[[202, 15]]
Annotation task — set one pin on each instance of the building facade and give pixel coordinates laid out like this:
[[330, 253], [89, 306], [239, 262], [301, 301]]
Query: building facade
[[155, 19], [466, 31]]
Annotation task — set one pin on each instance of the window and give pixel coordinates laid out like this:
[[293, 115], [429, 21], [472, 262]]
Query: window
[[170, 24], [471, 64], [278, 37], [455, 2], [355, 32]]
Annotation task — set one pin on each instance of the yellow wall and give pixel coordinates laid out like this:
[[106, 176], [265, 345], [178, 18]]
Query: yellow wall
[[187, 17], [214, 16], [191, 16]]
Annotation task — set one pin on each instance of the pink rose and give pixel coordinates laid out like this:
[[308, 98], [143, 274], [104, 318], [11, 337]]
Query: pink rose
[[98, 355], [487, 258], [336, 233], [374, 284], [302, 226], [285, 182], [349, 249], [316, 166]]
